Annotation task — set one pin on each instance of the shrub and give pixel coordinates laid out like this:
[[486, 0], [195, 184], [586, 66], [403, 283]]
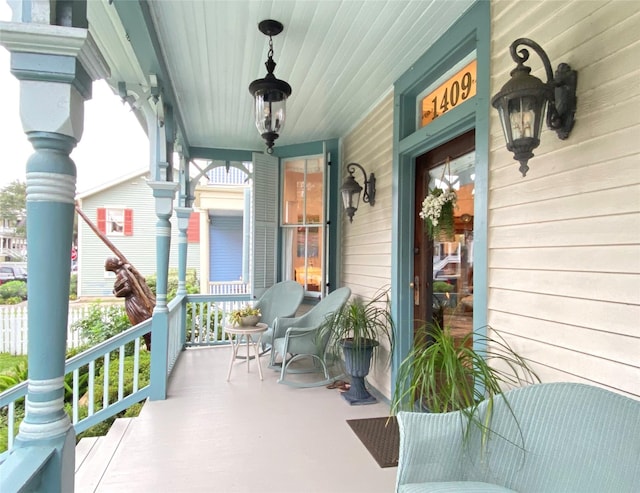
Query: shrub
[[191, 283], [73, 287], [12, 290], [102, 323], [12, 377], [11, 301]]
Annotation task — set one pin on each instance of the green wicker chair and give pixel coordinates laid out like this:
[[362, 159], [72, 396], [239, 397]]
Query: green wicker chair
[[280, 300], [301, 337]]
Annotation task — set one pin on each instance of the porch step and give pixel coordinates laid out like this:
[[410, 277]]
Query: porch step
[[83, 448], [94, 456]]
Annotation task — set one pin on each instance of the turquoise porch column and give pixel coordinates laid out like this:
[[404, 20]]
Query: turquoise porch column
[[183, 214], [55, 66], [164, 194]]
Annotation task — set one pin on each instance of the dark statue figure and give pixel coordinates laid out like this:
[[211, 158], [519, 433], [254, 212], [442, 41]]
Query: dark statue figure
[[139, 301]]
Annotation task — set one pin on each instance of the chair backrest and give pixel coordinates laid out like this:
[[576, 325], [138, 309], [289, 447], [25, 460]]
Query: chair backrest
[[568, 437], [325, 308], [280, 300]]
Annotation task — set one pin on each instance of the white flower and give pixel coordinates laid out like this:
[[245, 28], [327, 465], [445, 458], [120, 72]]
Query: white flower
[[432, 204]]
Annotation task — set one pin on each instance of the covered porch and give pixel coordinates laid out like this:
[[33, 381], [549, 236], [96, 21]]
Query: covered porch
[[361, 72], [238, 436]]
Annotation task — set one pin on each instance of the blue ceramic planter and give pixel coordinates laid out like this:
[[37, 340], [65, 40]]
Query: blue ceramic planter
[[357, 361]]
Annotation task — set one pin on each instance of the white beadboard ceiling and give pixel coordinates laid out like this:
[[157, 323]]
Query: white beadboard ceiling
[[339, 56]]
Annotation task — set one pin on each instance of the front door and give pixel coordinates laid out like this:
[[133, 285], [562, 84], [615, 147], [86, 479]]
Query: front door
[[443, 267]]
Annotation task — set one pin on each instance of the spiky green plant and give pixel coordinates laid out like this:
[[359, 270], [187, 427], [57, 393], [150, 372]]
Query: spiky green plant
[[364, 323], [441, 375]]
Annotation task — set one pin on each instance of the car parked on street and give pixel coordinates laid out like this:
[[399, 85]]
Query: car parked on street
[[12, 273]]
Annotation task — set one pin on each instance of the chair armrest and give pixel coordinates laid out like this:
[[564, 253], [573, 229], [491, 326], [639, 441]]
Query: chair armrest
[[281, 324], [299, 331], [431, 447]]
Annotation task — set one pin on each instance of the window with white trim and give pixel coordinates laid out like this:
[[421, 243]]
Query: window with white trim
[[303, 222]]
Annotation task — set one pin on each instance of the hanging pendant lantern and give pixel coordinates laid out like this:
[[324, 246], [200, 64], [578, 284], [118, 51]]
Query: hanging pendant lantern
[[270, 94]]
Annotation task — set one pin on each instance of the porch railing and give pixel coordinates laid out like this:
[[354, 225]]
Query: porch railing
[[229, 288], [194, 320]]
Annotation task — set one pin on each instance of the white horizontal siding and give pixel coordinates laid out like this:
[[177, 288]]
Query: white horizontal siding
[[564, 242], [366, 242]]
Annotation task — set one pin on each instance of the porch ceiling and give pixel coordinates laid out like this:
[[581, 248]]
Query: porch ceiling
[[340, 57]]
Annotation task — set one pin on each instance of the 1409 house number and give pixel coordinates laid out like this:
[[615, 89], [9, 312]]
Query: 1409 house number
[[457, 89]]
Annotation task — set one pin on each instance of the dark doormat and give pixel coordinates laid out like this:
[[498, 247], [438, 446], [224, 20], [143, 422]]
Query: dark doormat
[[380, 436]]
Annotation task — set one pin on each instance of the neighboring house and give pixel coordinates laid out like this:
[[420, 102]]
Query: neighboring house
[[218, 234], [124, 210], [224, 204], [13, 248]]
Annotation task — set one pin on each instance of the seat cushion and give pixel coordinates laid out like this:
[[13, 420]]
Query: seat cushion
[[454, 487]]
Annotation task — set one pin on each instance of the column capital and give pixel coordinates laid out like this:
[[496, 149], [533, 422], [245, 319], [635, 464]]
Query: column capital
[[46, 39], [56, 66], [164, 193], [184, 214]]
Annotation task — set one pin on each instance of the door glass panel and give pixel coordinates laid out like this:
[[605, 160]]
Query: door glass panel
[[453, 257]]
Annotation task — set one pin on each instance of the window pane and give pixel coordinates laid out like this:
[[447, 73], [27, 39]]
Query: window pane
[[314, 192], [115, 221], [306, 254], [293, 192], [303, 221]]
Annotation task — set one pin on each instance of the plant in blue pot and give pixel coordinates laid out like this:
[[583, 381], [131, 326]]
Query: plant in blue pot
[[357, 331]]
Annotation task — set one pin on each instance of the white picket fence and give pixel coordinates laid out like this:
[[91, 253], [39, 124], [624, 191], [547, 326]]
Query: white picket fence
[[13, 327]]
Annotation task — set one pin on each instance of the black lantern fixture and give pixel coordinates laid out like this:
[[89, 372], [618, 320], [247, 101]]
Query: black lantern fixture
[[270, 94], [521, 103], [351, 190]]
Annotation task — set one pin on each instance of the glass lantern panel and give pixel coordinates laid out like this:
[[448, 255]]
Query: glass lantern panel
[[522, 117], [270, 115]]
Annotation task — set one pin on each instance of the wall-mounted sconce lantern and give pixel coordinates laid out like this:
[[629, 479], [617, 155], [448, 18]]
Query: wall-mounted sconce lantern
[[270, 94], [521, 103], [351, 189]]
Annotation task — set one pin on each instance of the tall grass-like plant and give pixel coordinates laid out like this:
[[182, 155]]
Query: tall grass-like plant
[[362, 323], [440, 375], [357, 329]]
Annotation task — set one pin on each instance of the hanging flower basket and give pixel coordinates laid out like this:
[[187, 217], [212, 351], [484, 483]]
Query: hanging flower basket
[[437, 212]]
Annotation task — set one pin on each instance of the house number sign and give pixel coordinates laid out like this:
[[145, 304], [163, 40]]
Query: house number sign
[[456, 90]]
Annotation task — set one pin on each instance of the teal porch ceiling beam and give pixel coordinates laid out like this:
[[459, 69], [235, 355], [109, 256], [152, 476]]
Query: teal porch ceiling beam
[[135, 17], [220, 154]]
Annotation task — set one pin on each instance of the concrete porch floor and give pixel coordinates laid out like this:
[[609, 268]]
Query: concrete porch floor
[[244, 435]]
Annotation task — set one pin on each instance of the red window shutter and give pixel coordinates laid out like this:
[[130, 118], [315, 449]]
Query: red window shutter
[[128, 222], [101, 216], [193, 231]]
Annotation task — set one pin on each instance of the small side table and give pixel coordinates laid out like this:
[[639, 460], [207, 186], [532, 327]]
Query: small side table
[[249, 332]]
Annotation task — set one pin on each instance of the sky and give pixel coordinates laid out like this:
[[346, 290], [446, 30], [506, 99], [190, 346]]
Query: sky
[[113, 143]]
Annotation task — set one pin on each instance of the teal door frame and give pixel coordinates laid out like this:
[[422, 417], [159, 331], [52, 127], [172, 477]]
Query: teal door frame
[[471, 32]]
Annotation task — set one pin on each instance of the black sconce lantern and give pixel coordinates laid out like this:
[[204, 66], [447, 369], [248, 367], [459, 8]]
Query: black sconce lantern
[[521, 103], [351, 189], [270, 94]]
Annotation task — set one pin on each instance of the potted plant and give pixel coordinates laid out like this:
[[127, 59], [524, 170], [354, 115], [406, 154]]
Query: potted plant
[[246, 316], [439, 375], [357, 331]]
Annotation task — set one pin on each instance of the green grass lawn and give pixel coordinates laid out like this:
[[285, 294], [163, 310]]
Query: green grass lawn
[[9, 362]]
